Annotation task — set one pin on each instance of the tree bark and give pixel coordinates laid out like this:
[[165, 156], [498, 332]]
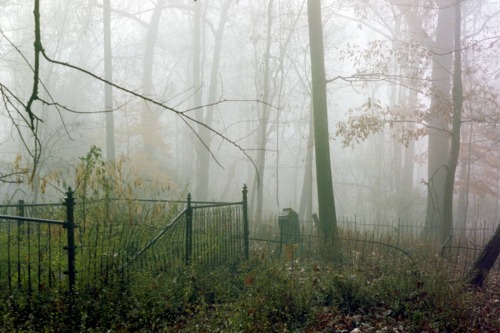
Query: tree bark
[[439, 123], [326, 203], [305, 208], [451, 166], [463, 195], [485, 261]]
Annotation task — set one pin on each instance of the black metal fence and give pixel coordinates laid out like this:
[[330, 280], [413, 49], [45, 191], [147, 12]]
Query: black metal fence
[[200, 234], [393, 241], [34, 252], [113, 238]]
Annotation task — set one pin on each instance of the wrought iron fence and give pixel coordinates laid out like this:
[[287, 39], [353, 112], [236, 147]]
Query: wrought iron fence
[[396, 242], [32, 249], [114, 237], [202, 233]]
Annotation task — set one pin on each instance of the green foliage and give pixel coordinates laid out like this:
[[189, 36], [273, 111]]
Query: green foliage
[[256, 296]]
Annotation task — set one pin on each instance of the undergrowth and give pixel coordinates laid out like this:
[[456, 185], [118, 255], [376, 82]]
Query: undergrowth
[[262, 296]]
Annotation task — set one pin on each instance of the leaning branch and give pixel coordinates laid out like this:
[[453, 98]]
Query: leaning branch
[[3, 177], [186, 118]]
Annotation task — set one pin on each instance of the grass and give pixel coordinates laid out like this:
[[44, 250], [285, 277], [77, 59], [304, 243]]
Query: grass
[[264, 296]]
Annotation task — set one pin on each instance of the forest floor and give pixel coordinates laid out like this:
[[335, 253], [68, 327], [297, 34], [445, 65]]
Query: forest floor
[[265, 296], [484, 317]]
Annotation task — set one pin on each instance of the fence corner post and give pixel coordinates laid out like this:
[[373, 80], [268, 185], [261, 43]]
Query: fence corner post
[[246, 247], [189, 229], [69, 202]]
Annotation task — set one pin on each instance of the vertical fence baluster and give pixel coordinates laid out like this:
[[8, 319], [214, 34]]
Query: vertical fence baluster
[[189, 229], [9, 272], [70, 229], [20, 212], [49, 248], [29, 258], [39, 245], [245, 223]]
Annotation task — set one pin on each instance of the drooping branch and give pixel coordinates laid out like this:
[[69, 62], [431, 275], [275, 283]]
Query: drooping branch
[[181, 114], [32, 119]]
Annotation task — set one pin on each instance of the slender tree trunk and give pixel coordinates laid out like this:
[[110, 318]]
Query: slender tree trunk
[[264, 119], [451, 166], [463, 195], [197, 79], [150, 126], [407, 181], [305, 208], [203, 146], [438, 123], [108, 90], [326, 203], [405, 205]]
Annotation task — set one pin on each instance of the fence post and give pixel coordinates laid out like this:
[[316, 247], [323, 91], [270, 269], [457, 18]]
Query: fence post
[[69, 202], [189, 229], [20, 211], [246, 247]]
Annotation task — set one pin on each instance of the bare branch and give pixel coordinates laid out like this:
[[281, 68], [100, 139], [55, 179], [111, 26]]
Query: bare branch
[[17, 173]]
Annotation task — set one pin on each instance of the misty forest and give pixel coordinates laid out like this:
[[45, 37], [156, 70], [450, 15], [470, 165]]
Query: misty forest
[[250, 166]]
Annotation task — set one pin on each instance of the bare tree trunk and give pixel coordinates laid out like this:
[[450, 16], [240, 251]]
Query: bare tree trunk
[[451, 166], [407, 181], [264, 119], [150, 127], [197, 79], [463, 195], [485, 261], [203, 146], [305, 208], [326, 203], [108, 89], [438, 123], [405, 206]]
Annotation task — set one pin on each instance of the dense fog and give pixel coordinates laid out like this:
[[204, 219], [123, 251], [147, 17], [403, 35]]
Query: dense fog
[[210, 95]]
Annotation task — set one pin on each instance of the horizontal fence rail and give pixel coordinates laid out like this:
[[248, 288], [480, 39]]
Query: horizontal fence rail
[[41, 247], [34, 252], [201, 234]]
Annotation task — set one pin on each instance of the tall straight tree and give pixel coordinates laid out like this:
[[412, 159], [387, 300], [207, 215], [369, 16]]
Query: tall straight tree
[[205, 115], [264, 116], [440, 106], [150, 125], [108, 89], [457, 98], [439, 139], [326, 203], [305, 208]]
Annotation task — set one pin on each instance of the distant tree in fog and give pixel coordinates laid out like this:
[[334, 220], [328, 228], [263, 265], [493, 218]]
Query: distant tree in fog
[[326, 202]]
